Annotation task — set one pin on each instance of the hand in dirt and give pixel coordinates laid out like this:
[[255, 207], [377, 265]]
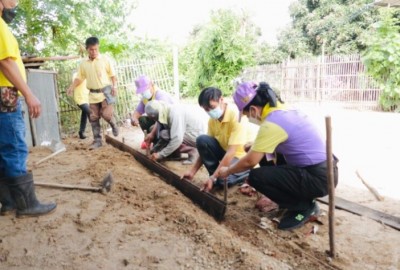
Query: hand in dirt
[[223, 172], [134, 122], [208, 185], [247, 147], [188, 175], [155, 157]]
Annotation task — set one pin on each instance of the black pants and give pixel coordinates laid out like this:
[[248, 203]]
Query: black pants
[[146, 124], [293, 188], [84, 116], [211, 153]]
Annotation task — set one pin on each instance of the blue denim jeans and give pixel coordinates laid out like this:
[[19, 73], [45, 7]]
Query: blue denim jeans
[[13, 148], [211, 153]]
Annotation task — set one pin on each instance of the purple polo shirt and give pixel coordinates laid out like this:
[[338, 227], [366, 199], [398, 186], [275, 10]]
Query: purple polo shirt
[[304, 145], [160, 95]]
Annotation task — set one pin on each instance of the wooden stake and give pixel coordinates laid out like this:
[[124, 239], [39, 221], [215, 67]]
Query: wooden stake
[[370, 188], [331, 187]]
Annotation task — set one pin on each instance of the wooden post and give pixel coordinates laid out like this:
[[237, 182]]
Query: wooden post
[[176, 72], [331, 187]]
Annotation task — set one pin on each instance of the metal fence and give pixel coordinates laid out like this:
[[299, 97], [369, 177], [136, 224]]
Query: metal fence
[[339, 80], [127, 71]]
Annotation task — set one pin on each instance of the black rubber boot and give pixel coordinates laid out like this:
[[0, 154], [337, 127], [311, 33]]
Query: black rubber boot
[[96, 129], [23, 193], [114, 128], [7, 203], [82, 135]]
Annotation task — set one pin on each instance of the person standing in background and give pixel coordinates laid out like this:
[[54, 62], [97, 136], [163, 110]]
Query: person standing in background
[[102, 84], [81, 97]]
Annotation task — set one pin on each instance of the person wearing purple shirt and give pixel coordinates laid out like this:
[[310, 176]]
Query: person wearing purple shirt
[[149, 91], [300, 176]]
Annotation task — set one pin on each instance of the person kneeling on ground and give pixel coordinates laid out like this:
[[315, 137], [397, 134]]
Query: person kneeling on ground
[[148, 91], [223, 145], [178, 126], [293, 186]]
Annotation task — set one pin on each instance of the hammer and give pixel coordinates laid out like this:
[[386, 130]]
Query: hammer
[[103, 188]]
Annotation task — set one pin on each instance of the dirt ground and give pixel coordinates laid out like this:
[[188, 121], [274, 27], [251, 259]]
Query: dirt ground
[[144, 223]]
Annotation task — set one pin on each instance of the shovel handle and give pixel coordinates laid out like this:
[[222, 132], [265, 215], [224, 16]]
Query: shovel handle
[[50, 156], [41, 184]]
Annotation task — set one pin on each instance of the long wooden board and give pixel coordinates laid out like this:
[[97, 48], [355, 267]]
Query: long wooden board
[[360, 210], [209, 203]]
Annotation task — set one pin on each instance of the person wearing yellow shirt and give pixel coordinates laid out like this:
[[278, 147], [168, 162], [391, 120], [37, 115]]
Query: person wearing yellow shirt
[[224, 143], [81, 97], [17, 191], [101, 81]]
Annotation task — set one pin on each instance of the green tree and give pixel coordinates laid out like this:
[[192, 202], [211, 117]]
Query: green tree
[[49, 27], [217, 52], [382, 58], [338, 24]]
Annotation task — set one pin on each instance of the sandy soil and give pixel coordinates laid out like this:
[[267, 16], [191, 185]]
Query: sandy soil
[[144, 223]]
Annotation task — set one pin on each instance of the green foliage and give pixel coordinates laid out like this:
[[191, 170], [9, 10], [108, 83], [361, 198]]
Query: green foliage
[[54, 27], [382, 58], [218, 52], [338, 24]]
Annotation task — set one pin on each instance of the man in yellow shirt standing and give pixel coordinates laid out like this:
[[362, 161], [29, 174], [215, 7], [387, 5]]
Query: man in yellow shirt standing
[[81, 97], [101, 82], [224, 143], [17, 191]]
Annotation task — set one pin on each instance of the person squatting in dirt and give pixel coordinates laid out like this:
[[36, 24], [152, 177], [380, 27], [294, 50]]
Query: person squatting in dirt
[[178, 126], [148, 91], [224, 142], [296, 184], [101, 81], [17, 191]]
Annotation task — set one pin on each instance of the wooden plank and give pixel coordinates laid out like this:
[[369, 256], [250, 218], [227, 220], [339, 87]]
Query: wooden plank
[[209, 203], [355, 208]]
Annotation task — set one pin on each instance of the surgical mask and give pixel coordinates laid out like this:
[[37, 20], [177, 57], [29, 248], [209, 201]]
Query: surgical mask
[[8, 14], [215, 113], [147, 94], [254, 119]]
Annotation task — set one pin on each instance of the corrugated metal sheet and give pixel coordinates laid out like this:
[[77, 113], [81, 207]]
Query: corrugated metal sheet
[[47, 126], [28, 134]]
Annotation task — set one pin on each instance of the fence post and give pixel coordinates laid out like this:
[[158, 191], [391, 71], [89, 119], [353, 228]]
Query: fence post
[[176, 72]]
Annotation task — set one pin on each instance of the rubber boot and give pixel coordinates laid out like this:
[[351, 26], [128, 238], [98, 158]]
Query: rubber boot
[[114, 127], [7, 203], [22, 191], [82, 125], [96, 129], [82, 135]]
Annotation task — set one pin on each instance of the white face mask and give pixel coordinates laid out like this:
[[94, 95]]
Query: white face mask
[[215, 113], [147, 94], [254, 119]]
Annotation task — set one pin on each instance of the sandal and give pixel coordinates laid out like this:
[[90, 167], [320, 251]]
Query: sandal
[[266, 205], [248, 190]]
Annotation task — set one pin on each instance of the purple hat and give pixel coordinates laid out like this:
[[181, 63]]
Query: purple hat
[[142, 84], [244, 94]]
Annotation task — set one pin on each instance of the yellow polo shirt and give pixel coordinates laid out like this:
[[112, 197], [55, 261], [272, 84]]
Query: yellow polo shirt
[[9, 48], [97, 73], [81, 93], [229, 131]]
